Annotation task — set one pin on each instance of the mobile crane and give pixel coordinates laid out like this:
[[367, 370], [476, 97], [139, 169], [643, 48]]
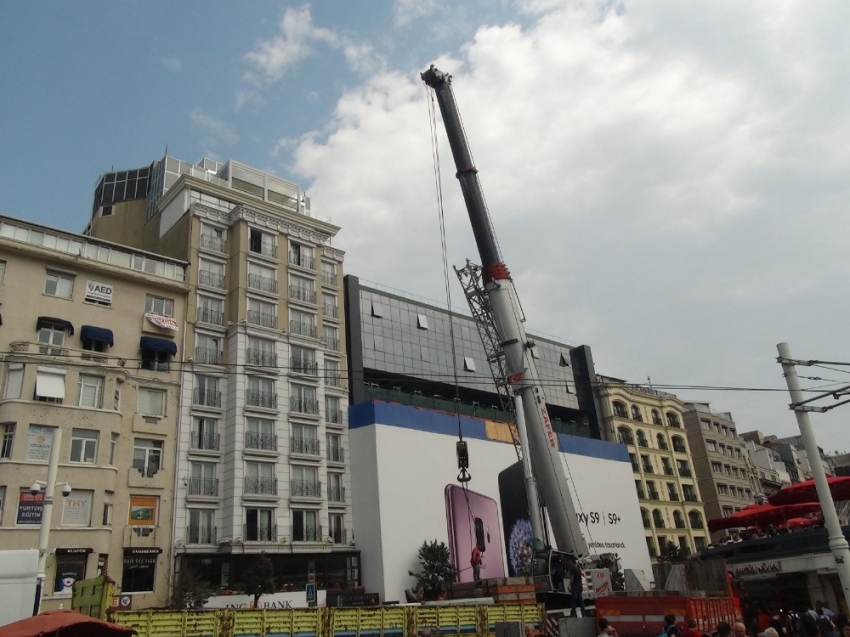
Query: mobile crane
[[495, 304]]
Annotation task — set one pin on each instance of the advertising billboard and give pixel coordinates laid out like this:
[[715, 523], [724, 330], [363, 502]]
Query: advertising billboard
[[405, 492]]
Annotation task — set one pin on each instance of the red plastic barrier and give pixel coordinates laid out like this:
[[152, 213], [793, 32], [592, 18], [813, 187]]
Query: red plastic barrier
[[642, 614]]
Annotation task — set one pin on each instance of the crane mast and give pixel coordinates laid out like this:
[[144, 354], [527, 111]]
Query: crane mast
[[540, 445]]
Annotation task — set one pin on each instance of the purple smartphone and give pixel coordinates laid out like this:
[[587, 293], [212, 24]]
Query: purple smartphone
[[473, 519]]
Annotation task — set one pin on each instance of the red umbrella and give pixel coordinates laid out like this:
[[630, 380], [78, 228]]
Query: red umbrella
[[64, 623], [800, 522], [839, 486], [760, 515]]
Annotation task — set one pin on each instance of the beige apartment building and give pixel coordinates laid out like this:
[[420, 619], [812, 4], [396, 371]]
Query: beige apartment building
[[649, 423], [89, 331], [262, 456], [728, 481]]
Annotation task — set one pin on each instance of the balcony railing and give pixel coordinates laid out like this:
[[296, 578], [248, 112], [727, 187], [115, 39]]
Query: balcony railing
[[680, 448], [335, 454], [304, 329], [261, 486], [653, 495], [306, 446], [674, 497], [308, 533], [626, 440], [205, 441], [154, 365], [264, 442], [305, 488], [333, 416], [690, 497], [266, 248], [200, 534], [211, 279], [255, 317], [207, 355], [685, 472], [302, 260], [257, 398], [648, 469], [331, 343], [206, 397], [333, 379], [336, 494], [659, 523], [668, 471], [680, 524], [304, 405], [203, 486], [329, 278], [259, 533], [305, 295], [642, 442], [697, 524], [339, 535], [262, 283], [212, 242], [260, 357], [662, 444], [331, 311], [304, 366], [207, 315]]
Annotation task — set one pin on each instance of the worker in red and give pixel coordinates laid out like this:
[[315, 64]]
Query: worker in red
[[691, 630], [475, 561]]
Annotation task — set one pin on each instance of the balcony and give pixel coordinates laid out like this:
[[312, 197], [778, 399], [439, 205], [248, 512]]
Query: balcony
[[205, 441], [211, 279], [307, 533], [305, 446], [336, 494], [255, 317], [333, 379], [685, 472], [260, 358], [214, 243], [260, 486], [302, 260], [265, 248], [331, 343], [305, 295], [207, 315], [329, 278], [200, 534], [262, 283], [303, 329], [203, 486], [257, 398], [206, 397], [305, 488], [207, 356], [154, 365], [679, 448], [261, 533], [261, 441], [304, 366], [330, 311], [304, 405], [335, 454], [333, 416]]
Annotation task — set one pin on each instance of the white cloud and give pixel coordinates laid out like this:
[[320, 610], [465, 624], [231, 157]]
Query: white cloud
[[668, 182], [172, 64], [406, 11], [215, 130]]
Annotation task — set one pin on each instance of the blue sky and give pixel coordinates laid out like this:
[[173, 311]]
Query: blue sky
[[668, 180]]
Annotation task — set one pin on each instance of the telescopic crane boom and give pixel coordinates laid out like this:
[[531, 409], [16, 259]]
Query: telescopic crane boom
[[542, 441]]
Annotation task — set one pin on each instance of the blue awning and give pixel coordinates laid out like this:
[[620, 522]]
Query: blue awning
[[158, 344], [92, 333], [49, 321]]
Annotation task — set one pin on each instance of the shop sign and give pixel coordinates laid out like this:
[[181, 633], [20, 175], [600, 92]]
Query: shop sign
[[70, 568], [353, 600], [39, 443], [293, 599], [143, 510], [165, 322], [30, 506], [76, 509], [757, 568], [99, 292]]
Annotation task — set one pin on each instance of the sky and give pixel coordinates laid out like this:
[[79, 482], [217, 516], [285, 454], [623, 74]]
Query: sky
[[668, 181]]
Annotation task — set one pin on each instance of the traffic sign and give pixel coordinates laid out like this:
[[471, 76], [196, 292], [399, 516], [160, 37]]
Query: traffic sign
[[311, 593]]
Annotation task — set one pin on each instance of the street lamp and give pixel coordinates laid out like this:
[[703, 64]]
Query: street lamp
[[47, 514]]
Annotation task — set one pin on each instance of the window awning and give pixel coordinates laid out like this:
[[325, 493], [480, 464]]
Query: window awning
[[50, 383], [49, 321], [158, 344], [92, 333]]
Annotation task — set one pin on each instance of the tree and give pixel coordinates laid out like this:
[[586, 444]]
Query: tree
[[437, 570], [190, 590], [260, 578], [672, 554]]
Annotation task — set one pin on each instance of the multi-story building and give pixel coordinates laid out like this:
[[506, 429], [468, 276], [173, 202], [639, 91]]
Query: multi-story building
[[649, 423], [767, 462], [90, 330], [726, 477], [262, 447]]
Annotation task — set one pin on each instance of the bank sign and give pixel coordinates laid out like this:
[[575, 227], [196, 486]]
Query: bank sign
[[99, 292]]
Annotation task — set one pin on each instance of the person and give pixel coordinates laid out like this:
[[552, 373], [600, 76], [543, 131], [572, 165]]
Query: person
[[691, 630], [725, 630], [770, 631], [670, 628], [475, 560], [821, 606], [576, 581], [845, 632], [557, 573], [739, 630], [824, 624], [529, 630], [606, 629]]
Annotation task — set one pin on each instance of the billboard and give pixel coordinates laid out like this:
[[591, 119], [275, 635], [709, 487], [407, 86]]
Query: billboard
[[405, 492]]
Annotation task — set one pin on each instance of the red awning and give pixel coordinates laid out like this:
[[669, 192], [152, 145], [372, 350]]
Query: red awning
[[64, 623], [839, 486], [760, 515]]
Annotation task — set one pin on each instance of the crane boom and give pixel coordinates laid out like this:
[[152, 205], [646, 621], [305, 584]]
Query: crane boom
[[543, 449]]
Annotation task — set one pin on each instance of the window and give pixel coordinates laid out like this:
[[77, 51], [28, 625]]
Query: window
[[262, 278], [333, 411], [303, 361], [656, 417], [51, 333], [332, 377], [147, 456], [641, 438], [699, 543], [301, 255], [644, 516], [159, 305], [260, 478], [333, 442], [260, 434], [210, 310], [620, 409], [678, 520], [695, 520], [717, 427], [151, 402], [328, 273], [377, 310], [50, 385], [303, 399], [301, 289], [205, 434], [2, 502], [261, 351], [91, 391], [261, 313], [156, 354], [735, 472], [705, 424], [305, 526], [61, 285], [662, 442], [206, 392], [259, 526], [302, 323], [624, 435], [727, 511], [213, 237], [683, 544], [77, 507], [689, 493], [207, 349], [650, 545], [731, 432], [722, 489], [260, 242], [202, 479], [679, 444], [716, 467], [657, 519], [672, 492], [422, 321], [261, 392], [332, 338], [725, 430], [305, 440], [727, 469], [83, 445], [336, 490], [330, 307], [711, 445], [39, 443], [305, 482], [113, 443], [468, 364], [2, 272], [138, 574], [14, 380], [673, 420], [636, 415], [337, 530], [8, 442], [201, 526]]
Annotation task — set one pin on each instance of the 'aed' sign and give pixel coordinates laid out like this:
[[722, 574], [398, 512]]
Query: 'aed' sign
[[99, 292]]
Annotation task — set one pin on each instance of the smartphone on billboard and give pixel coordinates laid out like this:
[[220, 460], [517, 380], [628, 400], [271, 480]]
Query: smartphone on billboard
[[516, 520], [473, 520]]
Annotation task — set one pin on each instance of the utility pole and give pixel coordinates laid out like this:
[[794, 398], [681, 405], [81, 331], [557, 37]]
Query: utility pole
[[46, 518], [837, 542]]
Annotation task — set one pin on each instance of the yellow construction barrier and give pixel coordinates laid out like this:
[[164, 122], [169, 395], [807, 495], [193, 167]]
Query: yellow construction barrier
[[389, 621]]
